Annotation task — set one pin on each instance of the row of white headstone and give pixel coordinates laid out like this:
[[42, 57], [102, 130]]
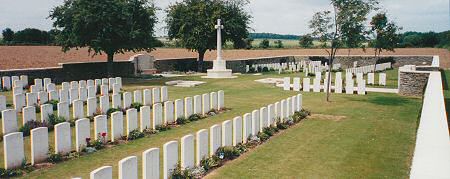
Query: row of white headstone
[[318, 87], [149, 118], [8, 82], [369, 68], [310, 66], [191, 149]]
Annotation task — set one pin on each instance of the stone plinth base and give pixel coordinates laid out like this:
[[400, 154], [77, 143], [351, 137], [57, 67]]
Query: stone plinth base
[[212, 73]]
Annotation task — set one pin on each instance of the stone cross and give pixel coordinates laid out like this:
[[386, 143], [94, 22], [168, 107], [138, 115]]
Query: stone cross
[[219, 28]]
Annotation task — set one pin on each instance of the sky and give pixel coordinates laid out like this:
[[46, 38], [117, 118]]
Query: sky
[[273, 16]]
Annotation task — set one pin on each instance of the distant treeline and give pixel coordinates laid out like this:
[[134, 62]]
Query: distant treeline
[[273, 36], [31, 36], [427, 39]]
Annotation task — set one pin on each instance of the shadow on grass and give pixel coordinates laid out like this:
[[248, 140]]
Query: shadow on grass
[[444, 79], [446, 95], [388, 101]]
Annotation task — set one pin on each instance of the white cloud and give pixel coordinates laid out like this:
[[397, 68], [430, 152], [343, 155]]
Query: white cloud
[[276, 16]]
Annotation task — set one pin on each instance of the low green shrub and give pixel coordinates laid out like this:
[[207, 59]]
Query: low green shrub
[[228, 153], [162, 127], [179, 173], [54, 103], [282, 126], [10, 173], [111, 110], [210, 163], [54, 158], [136, 106], [263, 136], [30, 125], [135, 134], [54, 119], [195, 117], [182, 120]]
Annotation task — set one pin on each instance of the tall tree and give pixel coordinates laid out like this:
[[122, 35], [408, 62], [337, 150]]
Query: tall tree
[[191, 22], [330, 27], [106, 26], [306, 41], [385, 32], [8, 35]]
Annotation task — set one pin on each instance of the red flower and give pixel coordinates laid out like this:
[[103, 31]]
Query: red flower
[[88, 140], [103, 134]]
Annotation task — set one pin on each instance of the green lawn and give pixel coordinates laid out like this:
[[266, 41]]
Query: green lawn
[[356, 145]]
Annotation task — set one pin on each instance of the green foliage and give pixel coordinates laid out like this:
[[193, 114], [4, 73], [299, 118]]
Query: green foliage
[[179, 173], [136, 106], [282, 126], [182, 120], [272, 36], [306, 41], [8, 36], [111, 110], [228, 153], [264, 44], [194, 117], [385, 32], [10, 173], [263, 136], [54, 103], [192, 23], [97, 144], [135, 134], [426, 39], [279, 44], [210, 163], [106, 26], [52, 157], [162, 127], [54, 119], [30, 125]]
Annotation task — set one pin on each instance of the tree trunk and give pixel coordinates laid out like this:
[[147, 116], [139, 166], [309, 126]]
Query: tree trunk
[[110, 65], [201, 56], [330, 61]]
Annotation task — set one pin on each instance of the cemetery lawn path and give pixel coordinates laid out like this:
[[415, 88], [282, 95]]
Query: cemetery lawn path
[[375, 139]]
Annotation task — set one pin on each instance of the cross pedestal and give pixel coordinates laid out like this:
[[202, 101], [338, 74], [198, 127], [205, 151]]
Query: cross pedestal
[[219, 69]]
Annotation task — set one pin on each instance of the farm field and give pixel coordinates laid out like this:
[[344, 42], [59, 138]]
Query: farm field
[[19, 57], [340, 139]]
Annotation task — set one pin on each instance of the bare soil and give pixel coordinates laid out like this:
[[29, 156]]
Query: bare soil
[[19, 57]]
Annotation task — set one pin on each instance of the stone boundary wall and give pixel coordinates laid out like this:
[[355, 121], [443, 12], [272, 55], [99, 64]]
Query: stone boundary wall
[[238, 65], [74, 71], [431, 155], [413, 79]]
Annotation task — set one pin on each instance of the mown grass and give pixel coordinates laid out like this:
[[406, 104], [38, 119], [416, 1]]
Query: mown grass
[[375, 139]]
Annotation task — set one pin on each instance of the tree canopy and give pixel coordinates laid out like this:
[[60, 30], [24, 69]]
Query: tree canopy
[[386, 37], [192, 23], [106, 26]]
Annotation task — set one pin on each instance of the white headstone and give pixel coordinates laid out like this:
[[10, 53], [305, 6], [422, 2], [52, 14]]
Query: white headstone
[[227, 133], [197, 104], [116, 126], [104, 172], [148, 97], [144, 118], [156, 95], [201, 143], [132, 121], [299, 102], [82, 131], [187, 152], [214, 103], [382, 79], [362, 87], [127, 100], [188, 107], [306, 84], [39, 145], [150, 163], [179, 109], [349, 86], [271, 114], [24, 79], [104, 90], [286, 83], [137, 96], [255, 122], [9, 121], [92, 91], [91, 106], [247, 127], [215, 139], [13, 150], [2, 103], [205, 104], [63, 110], [116, 101], [128, 168], [53, 96], [100, 126], [104, 104], [28, 114], [169, 112], [6, 82], [64, 96], [78, 109], [157, 118], [63, 139], [65, 86], [296, 84], [164, 94], [316, 87], [73, 93], [19, 101], [46, 111], [221, 99], [116, 88], [237, 130], [371, 78], [263, 118], [170, 158], [32, 99]]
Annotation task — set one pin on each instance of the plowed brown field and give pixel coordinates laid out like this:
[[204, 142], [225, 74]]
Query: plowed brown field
[[19, 57]]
